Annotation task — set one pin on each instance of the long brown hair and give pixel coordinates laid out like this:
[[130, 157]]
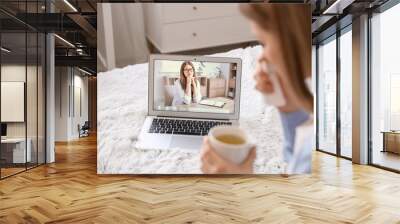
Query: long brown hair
[[182, 74], [292, 24]]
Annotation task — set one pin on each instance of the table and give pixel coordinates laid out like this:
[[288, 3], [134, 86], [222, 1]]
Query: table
[[195, 107], [13, 150], [391, 141]]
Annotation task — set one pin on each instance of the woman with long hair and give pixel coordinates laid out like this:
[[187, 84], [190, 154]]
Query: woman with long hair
[[284, 31], [187, 87]]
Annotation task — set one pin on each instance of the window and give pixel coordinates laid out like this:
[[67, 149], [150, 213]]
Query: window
[[334, 65], [22, 78], [327, 95], [346, 92], [385, 89]]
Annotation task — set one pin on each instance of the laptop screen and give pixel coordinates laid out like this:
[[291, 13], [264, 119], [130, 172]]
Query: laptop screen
[[195, 86]]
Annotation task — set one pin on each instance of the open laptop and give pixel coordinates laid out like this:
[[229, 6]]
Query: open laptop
[[174, 123]]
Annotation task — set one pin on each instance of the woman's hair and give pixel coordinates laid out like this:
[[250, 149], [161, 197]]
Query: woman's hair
[[182, 74], [292, 24]]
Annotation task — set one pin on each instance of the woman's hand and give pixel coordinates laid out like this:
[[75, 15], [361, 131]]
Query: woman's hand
[[188, 90], [193, 82], [265, 86], [189, 80], [212, 163], [263, 82]]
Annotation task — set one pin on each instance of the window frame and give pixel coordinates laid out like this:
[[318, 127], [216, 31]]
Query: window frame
[[378, 10], [342, 27]]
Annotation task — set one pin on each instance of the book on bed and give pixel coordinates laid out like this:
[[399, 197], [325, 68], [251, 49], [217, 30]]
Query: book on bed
[[213, 103]]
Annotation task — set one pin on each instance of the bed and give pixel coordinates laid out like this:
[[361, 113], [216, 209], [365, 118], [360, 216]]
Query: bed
[[122, 108]]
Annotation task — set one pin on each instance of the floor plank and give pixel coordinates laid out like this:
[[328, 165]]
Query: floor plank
[[70, 191]]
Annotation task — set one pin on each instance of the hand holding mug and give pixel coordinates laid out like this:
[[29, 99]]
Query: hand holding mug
[[227, 150]]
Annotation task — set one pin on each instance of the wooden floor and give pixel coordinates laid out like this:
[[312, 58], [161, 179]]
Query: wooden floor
[[70, 191], [5, 172], [10, 171], [387, 159]]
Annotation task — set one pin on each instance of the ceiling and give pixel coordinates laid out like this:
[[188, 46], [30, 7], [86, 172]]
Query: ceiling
[[74, 22]]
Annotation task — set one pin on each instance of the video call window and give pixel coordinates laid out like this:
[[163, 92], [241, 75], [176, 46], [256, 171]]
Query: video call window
[[194, 86]]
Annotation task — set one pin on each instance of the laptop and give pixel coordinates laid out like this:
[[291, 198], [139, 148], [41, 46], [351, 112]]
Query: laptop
[[178, 119]]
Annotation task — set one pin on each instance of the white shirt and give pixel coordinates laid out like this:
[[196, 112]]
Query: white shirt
[[180, 97], [301, 161]]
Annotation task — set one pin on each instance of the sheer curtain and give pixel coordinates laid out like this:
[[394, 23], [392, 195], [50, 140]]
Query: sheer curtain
[[121, 35]]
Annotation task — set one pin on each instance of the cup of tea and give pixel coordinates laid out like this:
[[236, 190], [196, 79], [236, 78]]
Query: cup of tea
[[230, 142]]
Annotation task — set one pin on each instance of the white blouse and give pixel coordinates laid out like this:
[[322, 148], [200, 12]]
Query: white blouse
[[180, 97]]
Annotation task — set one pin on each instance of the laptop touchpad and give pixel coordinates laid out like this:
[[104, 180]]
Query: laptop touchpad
[[189, 142]]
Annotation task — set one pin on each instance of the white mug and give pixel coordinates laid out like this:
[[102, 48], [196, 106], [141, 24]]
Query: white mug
[[235, 153]]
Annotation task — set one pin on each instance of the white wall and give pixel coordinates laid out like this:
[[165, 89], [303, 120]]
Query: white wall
[[61, 103], [82, 82], [79, 118], [68, 82], [33, 126], [12, 101], [12, 73]]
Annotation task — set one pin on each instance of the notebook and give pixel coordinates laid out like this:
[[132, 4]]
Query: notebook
[[212, 103]]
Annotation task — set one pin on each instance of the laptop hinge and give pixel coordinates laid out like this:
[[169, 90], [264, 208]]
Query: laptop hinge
[[196, 118]]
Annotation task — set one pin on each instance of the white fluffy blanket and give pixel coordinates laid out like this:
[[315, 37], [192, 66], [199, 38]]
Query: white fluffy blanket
[[122, 107]]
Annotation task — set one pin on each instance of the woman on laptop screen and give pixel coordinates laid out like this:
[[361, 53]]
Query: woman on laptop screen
[[187, 87]]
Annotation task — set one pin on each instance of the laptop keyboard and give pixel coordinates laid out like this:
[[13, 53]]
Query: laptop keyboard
[[183, 127]]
